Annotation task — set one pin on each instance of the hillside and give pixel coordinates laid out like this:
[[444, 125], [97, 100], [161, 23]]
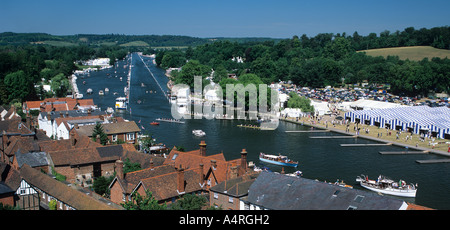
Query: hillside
[[413, 53]]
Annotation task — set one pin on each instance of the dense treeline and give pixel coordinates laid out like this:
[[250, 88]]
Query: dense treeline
[[25, 66], [9, 38], [326, 59]]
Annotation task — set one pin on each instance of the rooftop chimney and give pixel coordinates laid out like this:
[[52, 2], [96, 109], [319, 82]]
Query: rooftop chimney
[[119, 169], [201, 174], [234, 172], [73, 141], [28, 121], [202, 148], [244, 159], [180, 180], [214, 164], [4, 143]]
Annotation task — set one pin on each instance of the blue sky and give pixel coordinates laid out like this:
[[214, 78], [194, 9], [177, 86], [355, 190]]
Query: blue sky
[[214, 18]]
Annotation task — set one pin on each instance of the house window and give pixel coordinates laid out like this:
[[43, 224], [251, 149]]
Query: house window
[[351, 208], [123, 196], [216, 195], [130, 136], [230, 199], [114, 137]]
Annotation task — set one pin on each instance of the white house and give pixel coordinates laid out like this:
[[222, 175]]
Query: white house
[[47, 121]]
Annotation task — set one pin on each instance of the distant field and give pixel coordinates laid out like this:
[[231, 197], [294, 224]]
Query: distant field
[[413, 53], [60, 43], [135, 43]]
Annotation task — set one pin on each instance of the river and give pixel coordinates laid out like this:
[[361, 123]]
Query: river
[[322, 159]]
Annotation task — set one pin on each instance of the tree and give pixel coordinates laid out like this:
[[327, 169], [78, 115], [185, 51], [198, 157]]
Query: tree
[[191, 69], [338, 49], [147, 202], [101, 185], [130, 166], [52, 204], [190, 202], [60, 85], [18, 85], [295, 101], [99, 132]]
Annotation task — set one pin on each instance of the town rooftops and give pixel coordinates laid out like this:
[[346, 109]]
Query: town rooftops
[[110, 128], [62, 192]]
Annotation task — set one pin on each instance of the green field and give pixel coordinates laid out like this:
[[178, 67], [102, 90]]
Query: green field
[[135, 43], [413, 53], [60, 43]]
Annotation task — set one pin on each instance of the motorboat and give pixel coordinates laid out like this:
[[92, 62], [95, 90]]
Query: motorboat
[[89, 91], [387, 186], [277, 160], [198, 132], [154, 123], [101, 93], [295, 174], [121, 103]]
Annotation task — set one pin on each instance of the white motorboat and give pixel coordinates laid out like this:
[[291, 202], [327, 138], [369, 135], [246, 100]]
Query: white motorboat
[[387, 186], [121, 103], [89, 91], [198, 132], [101, 93]]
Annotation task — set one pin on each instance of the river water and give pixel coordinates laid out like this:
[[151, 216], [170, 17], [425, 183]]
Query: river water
[[322, 159]]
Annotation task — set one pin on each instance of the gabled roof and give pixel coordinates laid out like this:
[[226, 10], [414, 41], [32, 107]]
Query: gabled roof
[[33, 159], [236, 187], [110, 128], [58, 104], [61, 191], [192, 159], [57, 145], [81, 156], [165, 186], [9, 176], [71, 113], [14, 126], [281, 192]]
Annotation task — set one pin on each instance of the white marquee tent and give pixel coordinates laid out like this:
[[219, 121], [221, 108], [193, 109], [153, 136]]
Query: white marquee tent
[[414, 118]]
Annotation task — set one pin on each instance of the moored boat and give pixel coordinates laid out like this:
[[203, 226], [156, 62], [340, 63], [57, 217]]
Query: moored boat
[[278, 160], [387, 186], [169, 120], [198, 132], [154, 123], [121, 103]]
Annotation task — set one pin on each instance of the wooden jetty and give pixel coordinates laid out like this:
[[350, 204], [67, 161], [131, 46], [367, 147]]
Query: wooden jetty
[[308, 131], [331, 137], [403, 152], [359, 145], [433, 161], [169, 120], [255, 127]]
